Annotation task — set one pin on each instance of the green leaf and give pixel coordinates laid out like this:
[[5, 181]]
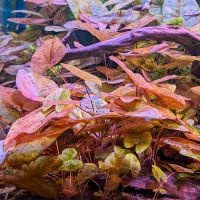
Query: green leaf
[[144, 141], [112, 161], [65, 95], [132, 163], [75, 8], [71, 165], [30, 150], [30, 176], [130, 140], [119, 152], [141, 140], [88, 171], [159, 174], [42, 166], [68, 154]]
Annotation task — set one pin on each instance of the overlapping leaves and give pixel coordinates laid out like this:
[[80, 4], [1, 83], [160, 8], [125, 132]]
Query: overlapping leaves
[[74, 123]]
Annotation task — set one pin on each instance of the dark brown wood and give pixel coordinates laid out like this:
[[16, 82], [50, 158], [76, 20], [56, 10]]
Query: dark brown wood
[[176, 34]]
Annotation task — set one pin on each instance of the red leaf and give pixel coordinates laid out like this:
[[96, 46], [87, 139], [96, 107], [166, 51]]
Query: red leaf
[[48, 55], [196, 90], [165, 96], [31, 21], [49, 2], [34, 86]]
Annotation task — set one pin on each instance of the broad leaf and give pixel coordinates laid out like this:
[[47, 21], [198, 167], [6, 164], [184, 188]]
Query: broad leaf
[[29, 21], [143, 110], [159, 174], [30, 123], [48, 55], [8, 114], [113, 183], [68, 154], [120, 152], [75, 7], [58, 94], [172, 9], [122, 4], [26, 148], [132, 163], [184, 146], [165, 96], [181, 169], [3, 153], [34, 86], [196, 90], [88, 171], [47, 3], [144, 21], [112, 161], [30, 176], [100, 35], [141, 140], [88, 7], [71, 165], [28, 12], [83, 74]]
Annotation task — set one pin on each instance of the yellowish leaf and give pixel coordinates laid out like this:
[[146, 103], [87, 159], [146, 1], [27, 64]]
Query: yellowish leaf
[[159, 174], [58, 94], [131, 162], [71, 165], [112, 161], [144, 141], [87, 171], [68, 154], [75, 7], [119, 152], [141, 140], [130, 140]]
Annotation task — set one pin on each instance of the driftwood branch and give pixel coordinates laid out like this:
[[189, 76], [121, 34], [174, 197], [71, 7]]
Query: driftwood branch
[[179, 35]]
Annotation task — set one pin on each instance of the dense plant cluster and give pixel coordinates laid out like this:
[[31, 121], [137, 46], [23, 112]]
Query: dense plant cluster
[[89, 122]]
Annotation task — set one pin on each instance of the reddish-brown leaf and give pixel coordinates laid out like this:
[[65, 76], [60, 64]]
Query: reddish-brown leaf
[[180, 169], [29, 124], [144, 21], [13, 98], [48, 55], [143, 110], [83, 74], [6, 95], [49, 2], [34, 86], [29, 21], [165, 96], [1, 66], [196, 90], [101, 35], [108, 72], [184, 146]]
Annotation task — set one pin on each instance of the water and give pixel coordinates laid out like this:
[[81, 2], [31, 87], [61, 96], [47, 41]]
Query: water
[[6, 7]]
